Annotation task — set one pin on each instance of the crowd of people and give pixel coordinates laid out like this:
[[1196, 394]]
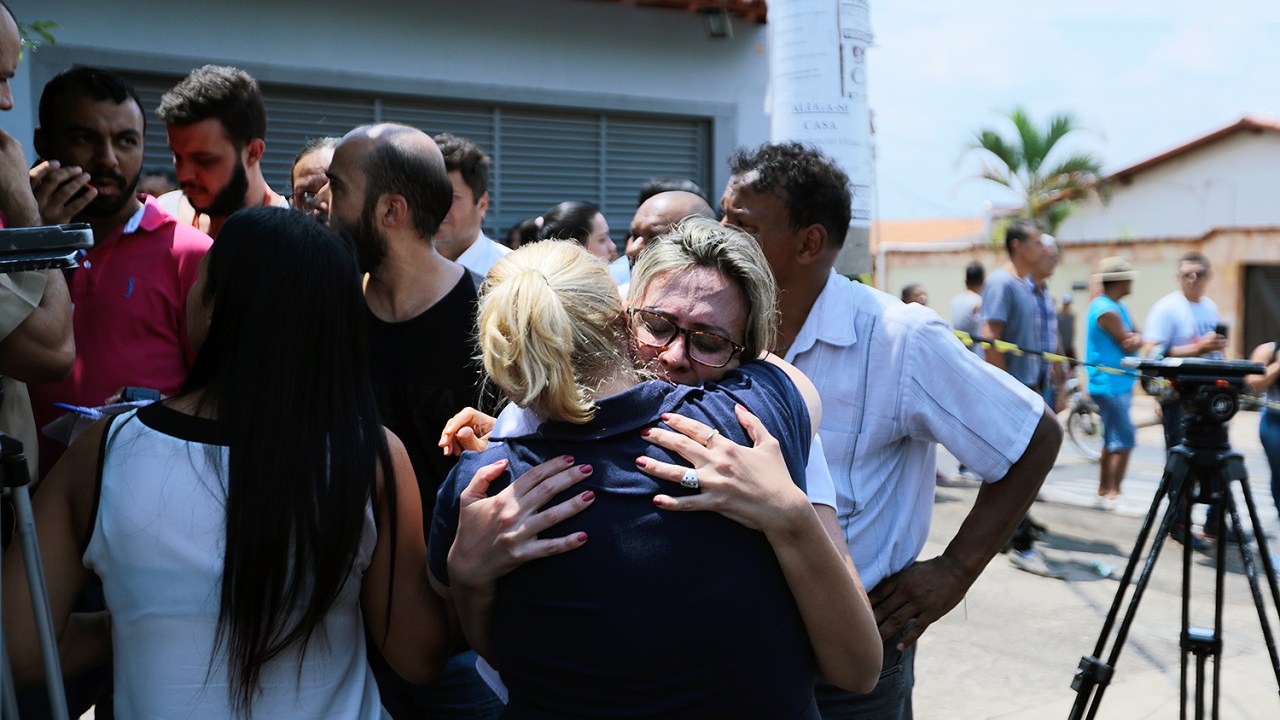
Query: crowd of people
[[706, 493], [1013, 304]]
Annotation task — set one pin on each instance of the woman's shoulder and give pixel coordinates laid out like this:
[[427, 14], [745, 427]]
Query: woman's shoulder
[[760, 386], [765, 378], [754, 371]]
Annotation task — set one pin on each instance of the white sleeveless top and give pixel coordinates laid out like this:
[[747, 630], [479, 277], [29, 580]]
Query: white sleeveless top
[[157, 543]]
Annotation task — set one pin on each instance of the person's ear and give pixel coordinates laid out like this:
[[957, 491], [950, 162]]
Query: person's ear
[[253, 152], [393, 210], [812, 245], [483, 203]]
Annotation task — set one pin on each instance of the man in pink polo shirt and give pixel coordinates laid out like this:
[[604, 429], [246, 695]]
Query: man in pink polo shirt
[[130, 290]]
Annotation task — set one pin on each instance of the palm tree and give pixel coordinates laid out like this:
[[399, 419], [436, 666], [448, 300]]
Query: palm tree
[[1021, 164]]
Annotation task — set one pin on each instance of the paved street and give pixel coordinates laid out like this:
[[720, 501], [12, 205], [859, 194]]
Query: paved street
[[1009, 651]]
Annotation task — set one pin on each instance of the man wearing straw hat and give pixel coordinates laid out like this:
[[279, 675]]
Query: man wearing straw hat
[[1110, 335]]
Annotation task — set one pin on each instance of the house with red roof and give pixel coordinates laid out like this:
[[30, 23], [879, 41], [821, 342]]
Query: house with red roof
[[1218, 193]]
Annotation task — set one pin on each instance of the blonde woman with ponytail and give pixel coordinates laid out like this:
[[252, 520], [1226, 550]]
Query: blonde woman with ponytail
[[555, 544]]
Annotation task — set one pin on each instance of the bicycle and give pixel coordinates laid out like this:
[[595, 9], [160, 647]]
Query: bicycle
[[1083, 421]]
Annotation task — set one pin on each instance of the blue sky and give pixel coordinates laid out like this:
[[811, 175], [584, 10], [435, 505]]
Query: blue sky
[[1142, 76]]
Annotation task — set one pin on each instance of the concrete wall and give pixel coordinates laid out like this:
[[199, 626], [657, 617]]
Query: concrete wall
[[548, 52], [1231, 182]]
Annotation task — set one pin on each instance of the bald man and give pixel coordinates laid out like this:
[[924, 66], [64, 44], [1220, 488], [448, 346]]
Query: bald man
[[389, 192], [653, 218]]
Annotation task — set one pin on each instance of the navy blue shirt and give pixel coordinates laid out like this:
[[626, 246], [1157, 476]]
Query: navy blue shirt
[[660, 613]]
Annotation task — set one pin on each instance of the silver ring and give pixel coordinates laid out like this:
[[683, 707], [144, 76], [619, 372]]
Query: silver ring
[[706, 442], [690, 479]]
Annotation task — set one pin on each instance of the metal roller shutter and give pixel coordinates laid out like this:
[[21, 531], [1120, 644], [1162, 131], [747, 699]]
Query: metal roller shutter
[[548, 158], [641, 148], [541, 156]]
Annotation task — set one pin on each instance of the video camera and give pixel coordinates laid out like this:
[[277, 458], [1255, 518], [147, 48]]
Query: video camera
[[49, 247], [1207, 389]]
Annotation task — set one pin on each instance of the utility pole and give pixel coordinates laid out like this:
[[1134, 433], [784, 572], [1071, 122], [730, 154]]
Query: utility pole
[[818, 95]]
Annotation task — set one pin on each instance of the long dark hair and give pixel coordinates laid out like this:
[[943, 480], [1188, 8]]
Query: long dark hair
[[284, 368], [569, 221]]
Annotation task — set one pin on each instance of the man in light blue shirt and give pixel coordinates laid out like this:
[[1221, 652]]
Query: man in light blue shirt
[[1010, 312], [895, 382]]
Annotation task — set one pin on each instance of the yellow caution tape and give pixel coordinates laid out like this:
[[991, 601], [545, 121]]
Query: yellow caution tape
[[1012, 349]]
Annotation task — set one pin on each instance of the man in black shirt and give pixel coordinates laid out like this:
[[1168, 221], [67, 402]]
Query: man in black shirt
[[389, 193]]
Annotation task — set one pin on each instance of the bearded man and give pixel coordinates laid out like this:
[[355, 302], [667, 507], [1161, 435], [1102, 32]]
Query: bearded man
[[217, 123], [130, 290]]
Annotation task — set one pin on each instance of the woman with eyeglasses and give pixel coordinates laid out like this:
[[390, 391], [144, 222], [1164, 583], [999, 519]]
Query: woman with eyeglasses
[[653, 613]]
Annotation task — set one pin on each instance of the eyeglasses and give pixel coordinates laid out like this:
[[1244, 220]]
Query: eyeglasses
[[1193, 275], [657, 329], [304, 200]]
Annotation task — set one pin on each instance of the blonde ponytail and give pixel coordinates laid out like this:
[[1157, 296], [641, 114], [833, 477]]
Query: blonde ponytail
[[552, 329]]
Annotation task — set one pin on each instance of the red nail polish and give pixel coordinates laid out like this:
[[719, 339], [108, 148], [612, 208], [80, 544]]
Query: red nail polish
[[584, 469], [642, 462], [588, 496], [645, 432], [581, 537], [566, 459]]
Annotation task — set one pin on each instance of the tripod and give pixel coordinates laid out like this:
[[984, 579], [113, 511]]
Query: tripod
[[39, 248], [16, 477], [1201, 470]]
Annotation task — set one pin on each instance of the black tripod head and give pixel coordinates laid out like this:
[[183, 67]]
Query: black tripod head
[[43, 248], [1208, 390]]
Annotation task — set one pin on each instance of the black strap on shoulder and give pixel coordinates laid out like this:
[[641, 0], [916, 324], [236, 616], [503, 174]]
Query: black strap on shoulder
[[97, 483]]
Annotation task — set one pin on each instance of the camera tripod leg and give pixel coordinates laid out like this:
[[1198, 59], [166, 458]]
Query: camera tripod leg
[[1203, 644], [1236, 473], [1215, 488], [1093, 675], [1190, 640], [24, 522]]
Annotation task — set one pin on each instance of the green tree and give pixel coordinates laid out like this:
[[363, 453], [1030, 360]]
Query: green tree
[[1026, 163], [36, 33]]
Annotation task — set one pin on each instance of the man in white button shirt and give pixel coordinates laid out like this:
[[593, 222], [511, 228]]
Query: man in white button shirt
[[460, 238], [894, 382]]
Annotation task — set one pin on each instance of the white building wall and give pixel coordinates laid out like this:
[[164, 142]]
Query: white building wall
[[1231, 182], [575, 53]]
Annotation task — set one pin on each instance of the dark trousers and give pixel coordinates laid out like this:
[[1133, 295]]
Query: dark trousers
[[889, 700], [1023, 537], [1175, 431], [1269, 432], [459, 693]]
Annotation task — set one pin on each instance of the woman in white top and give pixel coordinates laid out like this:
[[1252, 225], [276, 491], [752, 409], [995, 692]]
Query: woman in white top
[[248, 530]]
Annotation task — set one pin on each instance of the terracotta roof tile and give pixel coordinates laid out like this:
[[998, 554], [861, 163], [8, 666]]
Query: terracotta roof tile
[[925, 231]]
